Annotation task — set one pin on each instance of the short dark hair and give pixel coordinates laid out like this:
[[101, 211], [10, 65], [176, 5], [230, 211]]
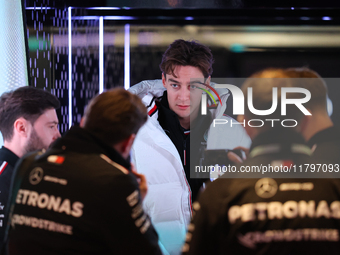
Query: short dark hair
[[114, 115], [27, 102], [313, 82], [263, 83], [187, 53]]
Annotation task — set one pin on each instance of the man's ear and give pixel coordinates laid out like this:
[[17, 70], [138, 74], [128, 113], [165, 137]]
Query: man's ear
[[163, 80], [82, 122], [126, 145], [22, 127], [207, 81]]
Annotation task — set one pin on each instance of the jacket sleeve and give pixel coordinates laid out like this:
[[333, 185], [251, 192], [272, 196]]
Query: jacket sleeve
[[129, 228]]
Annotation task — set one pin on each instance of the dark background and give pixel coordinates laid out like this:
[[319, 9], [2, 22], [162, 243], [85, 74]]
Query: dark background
[[52, 20]]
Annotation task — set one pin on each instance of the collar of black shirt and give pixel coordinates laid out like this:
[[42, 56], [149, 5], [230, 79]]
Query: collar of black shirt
[[8, 156], [281, 136], [327, 135], [82, 141]]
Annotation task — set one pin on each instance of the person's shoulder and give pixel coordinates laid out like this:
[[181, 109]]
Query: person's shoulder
[[216, 189], [219, 194], [4, 167], [3, 154], [110, 164], [124, 186], [98, 167], [104, 173], [148, 91], [29, 158], [8, 156], [118, 172]]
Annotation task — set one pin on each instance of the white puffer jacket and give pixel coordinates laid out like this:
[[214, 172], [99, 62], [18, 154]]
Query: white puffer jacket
[[168, 201]]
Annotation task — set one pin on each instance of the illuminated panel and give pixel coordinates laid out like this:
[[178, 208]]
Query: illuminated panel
[[13, 64], [69, 67], [101, 54], [127, 57]]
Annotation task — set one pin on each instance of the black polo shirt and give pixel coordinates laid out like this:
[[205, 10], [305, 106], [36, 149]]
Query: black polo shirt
[[7, 162]]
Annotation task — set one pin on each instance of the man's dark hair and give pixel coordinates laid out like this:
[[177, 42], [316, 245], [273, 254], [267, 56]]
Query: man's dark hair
[[187, 53], [27, 102], [114, 115]]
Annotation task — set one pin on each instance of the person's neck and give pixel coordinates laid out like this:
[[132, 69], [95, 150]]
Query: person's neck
[[14, 147], [184, 122]]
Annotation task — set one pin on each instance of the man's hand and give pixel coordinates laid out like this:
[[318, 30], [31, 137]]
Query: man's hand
[[236, 158], [143, 186]]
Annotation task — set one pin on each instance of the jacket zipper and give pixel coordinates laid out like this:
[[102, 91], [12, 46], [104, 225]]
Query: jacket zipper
[[185, 176]]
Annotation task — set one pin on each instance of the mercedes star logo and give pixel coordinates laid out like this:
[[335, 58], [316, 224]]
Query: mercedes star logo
[[36, 175], [266, 187]]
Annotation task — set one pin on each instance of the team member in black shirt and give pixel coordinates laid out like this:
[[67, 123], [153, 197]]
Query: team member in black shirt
[[81, 196], [268, 215], [322, 136], [28, 122]]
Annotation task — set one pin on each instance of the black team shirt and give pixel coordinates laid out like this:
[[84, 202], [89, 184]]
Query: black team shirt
[[7, 162], [180, 137]]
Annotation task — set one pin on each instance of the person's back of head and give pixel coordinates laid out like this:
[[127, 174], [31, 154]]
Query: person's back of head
[[306, 78], [114, 115], [262, 85], [312, 81], [26, 102], [187, 53]]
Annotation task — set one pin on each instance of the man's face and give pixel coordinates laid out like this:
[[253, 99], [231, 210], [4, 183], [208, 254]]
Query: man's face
[[184, 96], [44, 131]]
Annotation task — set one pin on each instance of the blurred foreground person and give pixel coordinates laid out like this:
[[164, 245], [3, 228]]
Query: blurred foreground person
[[277, 211], [322, 136], [28, 122], [80, 196]]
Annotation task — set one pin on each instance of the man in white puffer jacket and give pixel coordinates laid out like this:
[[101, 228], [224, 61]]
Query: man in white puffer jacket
[[161, 150]]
